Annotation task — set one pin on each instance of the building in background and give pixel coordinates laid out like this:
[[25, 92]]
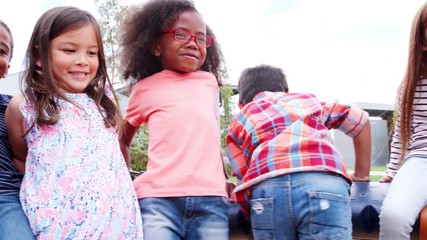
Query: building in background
[[380, 116]]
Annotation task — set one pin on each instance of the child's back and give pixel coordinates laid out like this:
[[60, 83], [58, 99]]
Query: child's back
[[290, 173]]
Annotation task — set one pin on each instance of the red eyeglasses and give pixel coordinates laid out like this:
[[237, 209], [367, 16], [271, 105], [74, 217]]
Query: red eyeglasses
[[183, 36]]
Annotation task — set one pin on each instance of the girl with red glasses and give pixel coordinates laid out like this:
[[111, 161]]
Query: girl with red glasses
[[178, 67]]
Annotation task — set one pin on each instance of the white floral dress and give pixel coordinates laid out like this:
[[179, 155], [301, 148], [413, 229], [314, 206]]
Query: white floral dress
[[76, 183]]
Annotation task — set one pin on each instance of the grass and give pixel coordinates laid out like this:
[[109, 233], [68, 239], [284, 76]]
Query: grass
[[377, 172], [381, 168], [375, 178]]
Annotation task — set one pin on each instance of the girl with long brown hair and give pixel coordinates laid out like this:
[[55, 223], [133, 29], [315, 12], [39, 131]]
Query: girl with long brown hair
[[407, 169]]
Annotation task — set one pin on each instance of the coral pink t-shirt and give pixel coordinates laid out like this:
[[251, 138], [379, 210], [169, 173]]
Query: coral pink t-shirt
[[184, 148]]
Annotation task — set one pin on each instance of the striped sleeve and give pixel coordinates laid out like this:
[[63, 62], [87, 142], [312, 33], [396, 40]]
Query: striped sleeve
[[417, 146]]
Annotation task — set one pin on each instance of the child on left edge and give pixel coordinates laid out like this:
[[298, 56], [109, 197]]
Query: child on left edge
[[64, 127], [13, 222]]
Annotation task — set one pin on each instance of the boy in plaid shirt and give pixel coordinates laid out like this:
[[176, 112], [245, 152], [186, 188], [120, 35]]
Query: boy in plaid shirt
[[292, 181]]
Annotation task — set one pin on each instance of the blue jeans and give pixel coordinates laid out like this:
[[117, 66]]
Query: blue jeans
[[306, 205], [191, 218], [13, 222]]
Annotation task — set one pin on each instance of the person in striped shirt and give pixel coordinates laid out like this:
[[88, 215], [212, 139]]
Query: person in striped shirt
[[292, 181], [13, 222], [407, 194]]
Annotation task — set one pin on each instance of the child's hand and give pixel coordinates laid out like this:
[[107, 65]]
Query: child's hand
[[230, 186], [386, 179], [357, 178], [233, 197]]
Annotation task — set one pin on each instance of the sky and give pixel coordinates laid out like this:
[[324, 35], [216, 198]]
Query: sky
[[340, 50]]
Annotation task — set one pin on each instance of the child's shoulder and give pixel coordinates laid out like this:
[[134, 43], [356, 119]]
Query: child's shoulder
[[14, 107], [17, 99]]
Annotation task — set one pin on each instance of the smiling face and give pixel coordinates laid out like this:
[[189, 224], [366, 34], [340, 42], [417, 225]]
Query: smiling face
[[74, 58], [182, 57], [5, 51]]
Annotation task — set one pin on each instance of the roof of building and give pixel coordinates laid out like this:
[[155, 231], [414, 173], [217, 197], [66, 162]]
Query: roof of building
[[385, 111]]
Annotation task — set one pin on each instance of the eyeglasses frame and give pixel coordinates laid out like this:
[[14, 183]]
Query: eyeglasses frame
[[192, 37]]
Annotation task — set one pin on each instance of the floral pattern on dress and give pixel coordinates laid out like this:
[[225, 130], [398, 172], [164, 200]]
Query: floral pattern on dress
[[76, 183]]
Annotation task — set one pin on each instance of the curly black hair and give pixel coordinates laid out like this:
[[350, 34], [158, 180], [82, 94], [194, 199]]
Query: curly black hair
[[141, 26]]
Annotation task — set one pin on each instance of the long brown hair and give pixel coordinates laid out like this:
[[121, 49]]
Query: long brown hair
[[38, 83], [412, 76]]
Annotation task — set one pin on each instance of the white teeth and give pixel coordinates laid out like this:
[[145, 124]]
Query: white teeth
[[79, 73]]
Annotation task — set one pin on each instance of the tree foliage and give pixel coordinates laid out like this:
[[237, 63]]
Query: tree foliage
[[226, 113], [110, 12], [138, 150]]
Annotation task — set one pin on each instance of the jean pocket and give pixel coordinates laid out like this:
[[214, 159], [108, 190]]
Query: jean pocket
[[330, 215], [262, 210]]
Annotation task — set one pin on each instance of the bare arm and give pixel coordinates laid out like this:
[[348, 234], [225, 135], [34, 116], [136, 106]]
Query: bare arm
[[126, 134], [362, 150], [19, 165], [15, 128]]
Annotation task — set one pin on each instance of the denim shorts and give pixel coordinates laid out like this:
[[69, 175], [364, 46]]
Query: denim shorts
[[13, 222], [307, 205], [190, 218]]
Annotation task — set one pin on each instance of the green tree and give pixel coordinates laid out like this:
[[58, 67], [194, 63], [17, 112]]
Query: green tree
[[138, 150], [226, 110], [111, 12], [226, 114]]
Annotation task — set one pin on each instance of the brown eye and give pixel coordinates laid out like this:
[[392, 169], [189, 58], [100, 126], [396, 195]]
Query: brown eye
[[179, 35]]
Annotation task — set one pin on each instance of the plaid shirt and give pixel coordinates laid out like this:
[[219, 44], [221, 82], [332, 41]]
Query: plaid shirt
[[280, 133]]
